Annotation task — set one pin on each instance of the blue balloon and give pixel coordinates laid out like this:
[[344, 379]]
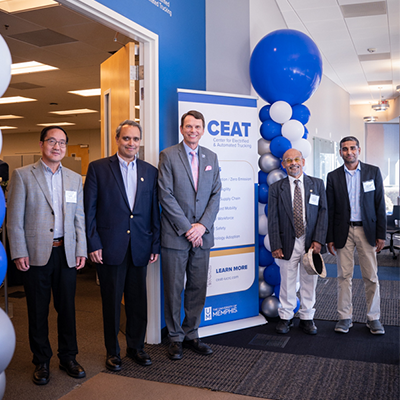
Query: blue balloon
[[3, 262], [270, 129], [301, 113], [2, 206], [305, 136], [262, 176], [264, 113], [297, 305], [272, 275], [261, 240], [277, 290], [266, 210], [286, 65], [264, 257], [279, 146], [263, 193]]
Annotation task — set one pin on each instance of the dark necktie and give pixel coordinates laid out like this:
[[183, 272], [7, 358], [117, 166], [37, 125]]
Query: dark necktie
[[298, 210]]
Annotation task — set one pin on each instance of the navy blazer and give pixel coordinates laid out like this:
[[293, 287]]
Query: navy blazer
[[280, 215], [110, 223], [373, 211]]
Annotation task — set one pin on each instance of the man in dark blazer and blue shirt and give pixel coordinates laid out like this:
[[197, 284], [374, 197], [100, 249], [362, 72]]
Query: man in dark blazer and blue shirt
[[357, 219], [123, 233], [189, 192], [288, 244]]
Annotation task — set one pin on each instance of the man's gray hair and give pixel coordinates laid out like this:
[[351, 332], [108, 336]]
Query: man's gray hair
[[130, 123]]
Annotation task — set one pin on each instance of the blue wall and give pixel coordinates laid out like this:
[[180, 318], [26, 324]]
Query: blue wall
[[182, 51]]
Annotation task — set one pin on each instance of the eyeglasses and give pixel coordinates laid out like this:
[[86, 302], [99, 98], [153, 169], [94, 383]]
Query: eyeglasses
[[52, 142], [290, 160]]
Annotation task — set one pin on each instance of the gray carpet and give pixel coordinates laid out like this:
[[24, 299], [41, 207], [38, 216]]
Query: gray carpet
[[326, 304], [271, 375]]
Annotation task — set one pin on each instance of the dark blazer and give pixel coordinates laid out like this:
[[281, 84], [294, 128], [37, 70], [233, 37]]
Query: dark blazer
[[280, 215], [373, 209], [110, 224], [181, 204]]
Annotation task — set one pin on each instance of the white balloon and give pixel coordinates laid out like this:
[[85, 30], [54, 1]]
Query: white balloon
[[280, 112], [267, 244], [7, 340], [262, 224], [5, 66], [2, 384], [263, 146], [261, 208], [293, 130], [302, 145]]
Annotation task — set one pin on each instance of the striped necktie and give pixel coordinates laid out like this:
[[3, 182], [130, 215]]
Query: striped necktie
[[298, 210]]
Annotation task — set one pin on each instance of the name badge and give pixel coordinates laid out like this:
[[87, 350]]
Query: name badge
[[314, 199], [369, 186], [70, 196]]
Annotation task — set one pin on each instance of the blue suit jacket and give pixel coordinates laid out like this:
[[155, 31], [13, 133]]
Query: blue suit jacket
[[373, 211], [280, 215], [110, 223]]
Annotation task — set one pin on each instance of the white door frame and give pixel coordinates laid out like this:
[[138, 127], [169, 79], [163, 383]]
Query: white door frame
[[107, 17]]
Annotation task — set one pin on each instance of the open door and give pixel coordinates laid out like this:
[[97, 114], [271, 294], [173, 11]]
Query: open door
[[119, 78]]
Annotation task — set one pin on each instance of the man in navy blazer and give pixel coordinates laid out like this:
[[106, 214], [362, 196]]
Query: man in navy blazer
[[123, 234], [288, 246], [189, 191], [357, 219]]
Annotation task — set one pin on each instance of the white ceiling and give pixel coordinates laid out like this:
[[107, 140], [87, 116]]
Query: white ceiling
[[342, 29]]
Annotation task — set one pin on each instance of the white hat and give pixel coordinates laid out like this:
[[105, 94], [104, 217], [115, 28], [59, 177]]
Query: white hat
[[314, 264]]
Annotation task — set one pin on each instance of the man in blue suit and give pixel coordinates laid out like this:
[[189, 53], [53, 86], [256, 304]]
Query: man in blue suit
[[357, 219], [290, 241], [123, 233]]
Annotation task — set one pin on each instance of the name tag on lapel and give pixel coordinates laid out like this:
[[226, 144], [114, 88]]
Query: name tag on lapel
[[369, 186], [314, 199], [70, 196]]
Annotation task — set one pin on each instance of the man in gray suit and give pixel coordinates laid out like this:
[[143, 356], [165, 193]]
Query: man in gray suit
[[189, 193], [292, 232], [46, 230]]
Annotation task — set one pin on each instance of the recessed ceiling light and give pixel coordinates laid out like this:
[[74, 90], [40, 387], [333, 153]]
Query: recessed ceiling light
[[12, 6], [15, 99], [370, 118], [10, 116], [86, 92], [7, 127], [29, 67], [57, 123], [69, 112]]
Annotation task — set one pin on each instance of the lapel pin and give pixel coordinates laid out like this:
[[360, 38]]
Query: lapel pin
[[202, 156], [142, 179], [310, 190]]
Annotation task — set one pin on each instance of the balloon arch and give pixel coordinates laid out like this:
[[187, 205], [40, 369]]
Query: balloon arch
[[285, 70]]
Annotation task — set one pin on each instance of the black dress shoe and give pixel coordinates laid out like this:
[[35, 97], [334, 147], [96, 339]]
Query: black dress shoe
[[41, 376], [308, 326], [72, 368], [198, 346], [113, 362], [175, 351], [284, 325], [139, 356]]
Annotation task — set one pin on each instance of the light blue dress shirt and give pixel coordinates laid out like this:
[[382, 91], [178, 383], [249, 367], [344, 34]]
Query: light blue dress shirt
[[54, 183], [353, 178], [129, 176], [188, 150]]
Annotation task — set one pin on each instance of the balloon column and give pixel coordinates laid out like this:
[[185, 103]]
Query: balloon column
[[7, 333], [285, 70]]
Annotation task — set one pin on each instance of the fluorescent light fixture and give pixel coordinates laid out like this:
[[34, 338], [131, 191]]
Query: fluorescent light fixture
[[29, 67], [10, 116], [57, 124], [13, 6], [86, 92], [72, 112], [15, 99], [2, 128]]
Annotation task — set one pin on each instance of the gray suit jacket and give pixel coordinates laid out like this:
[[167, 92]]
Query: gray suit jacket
[[181, 205], [280, 215], [30, 216]]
